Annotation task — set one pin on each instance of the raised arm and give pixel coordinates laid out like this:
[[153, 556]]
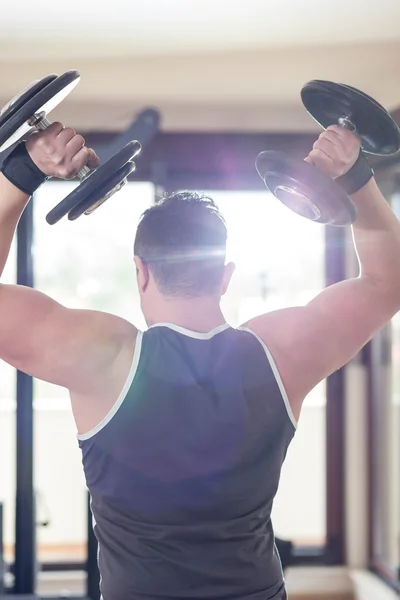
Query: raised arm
[[311, 342], [39, 336]]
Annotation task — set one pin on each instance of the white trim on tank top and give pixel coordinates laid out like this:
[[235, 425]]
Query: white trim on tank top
[[196, 335], [276, 373], [193, 334], [132, 372], [135, 362]]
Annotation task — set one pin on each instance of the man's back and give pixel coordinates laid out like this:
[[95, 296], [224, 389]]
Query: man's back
[[184, 469]]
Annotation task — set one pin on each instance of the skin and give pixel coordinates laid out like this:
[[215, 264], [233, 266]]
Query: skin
[[90, 352]]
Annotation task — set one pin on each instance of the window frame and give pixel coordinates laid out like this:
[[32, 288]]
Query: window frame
[[378, 357]]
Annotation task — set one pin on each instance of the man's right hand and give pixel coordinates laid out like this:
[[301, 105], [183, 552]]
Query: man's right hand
[[335, 151], [60, 152]]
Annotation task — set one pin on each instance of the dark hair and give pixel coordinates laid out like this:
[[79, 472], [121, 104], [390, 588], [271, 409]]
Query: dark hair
[[182, 240]]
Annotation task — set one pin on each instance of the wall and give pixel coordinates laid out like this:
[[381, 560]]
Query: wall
[[228, 91]]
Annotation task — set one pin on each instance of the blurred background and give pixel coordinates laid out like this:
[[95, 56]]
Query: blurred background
[[208, 84]]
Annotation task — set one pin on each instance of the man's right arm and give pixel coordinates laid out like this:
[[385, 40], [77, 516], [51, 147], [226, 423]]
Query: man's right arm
[[311, 342], [89, 352], [12, 204]]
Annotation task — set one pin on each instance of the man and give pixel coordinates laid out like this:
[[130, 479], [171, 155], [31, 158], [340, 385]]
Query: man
[[184, 427]]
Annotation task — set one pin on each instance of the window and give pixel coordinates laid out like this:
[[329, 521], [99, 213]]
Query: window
[[280, 262], [385, 447], [87, 264], [394, 437], [7, 429], [393, 549]]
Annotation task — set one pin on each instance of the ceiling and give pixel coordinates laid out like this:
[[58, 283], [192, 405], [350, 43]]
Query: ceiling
[[206, 64]]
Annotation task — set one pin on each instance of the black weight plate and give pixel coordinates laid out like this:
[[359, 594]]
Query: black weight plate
[[94, 181], [18, 101], [91, 200], [16, 126], [304, 189], [327, 102]]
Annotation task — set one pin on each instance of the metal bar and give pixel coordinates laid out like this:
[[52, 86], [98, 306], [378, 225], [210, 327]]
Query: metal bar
[[308, 555], [143, 128], [2, 569], [34, 597], [335, 265], [62, 566], [92, 569], [25, 527]]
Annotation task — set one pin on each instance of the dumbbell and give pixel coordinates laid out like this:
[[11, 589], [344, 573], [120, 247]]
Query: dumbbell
[[301, 186], [29, 110]]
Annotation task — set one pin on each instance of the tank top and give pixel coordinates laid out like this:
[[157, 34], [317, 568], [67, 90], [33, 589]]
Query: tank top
[[183, 470]]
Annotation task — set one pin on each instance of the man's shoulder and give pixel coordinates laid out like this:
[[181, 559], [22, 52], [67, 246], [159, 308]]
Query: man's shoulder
[[119, 345]]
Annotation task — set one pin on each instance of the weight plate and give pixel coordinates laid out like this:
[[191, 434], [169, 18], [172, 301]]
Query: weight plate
[[98, 195], [327, 102], [24, 96], [17, 125], [94, 182], [304, 189]]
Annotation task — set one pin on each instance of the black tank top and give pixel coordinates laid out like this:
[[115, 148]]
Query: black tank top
[[184, 469]]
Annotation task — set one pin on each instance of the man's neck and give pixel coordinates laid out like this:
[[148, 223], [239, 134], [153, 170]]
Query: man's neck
[[197, 314]]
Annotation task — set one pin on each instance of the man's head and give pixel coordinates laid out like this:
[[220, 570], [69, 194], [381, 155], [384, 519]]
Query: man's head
[[180, 250]]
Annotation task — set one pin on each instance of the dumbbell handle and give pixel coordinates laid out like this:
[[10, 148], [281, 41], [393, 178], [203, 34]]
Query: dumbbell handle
[[346, 123], [41, 122]]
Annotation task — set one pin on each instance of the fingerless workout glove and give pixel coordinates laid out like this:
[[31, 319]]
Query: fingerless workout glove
[[21, 171], [359, 175]]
